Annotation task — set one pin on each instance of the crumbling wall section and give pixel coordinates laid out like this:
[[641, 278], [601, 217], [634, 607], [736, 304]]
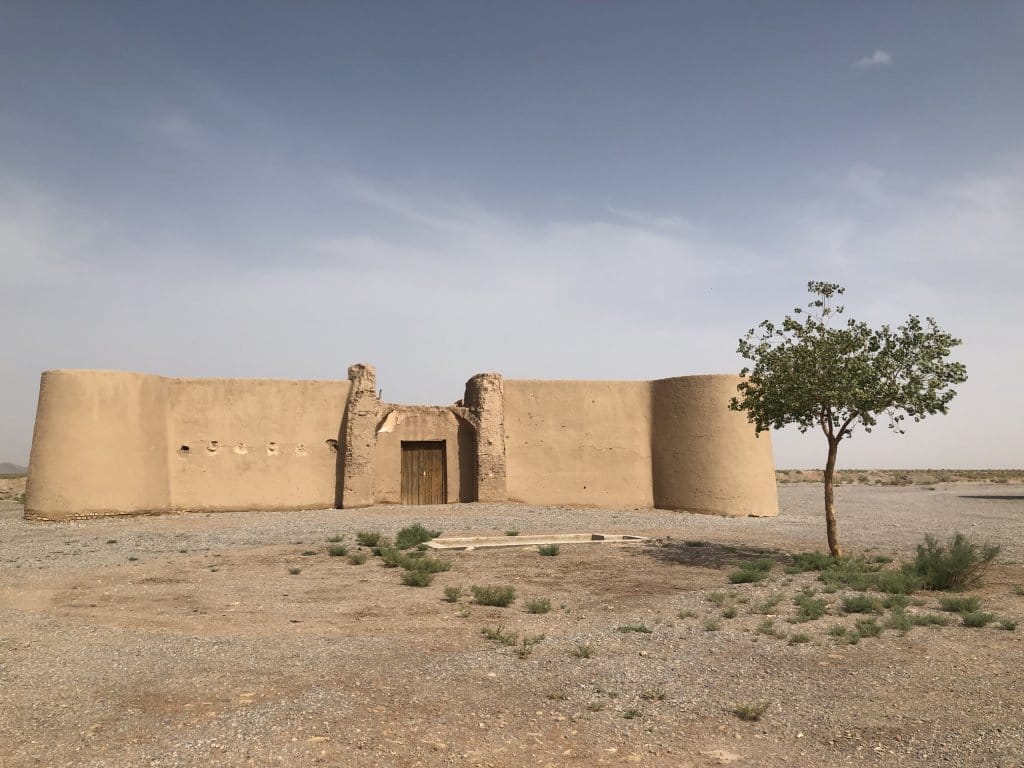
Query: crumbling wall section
[[360, 439], [485, 399]]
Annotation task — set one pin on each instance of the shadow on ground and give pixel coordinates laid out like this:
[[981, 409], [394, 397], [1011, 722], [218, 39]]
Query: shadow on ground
[[705, 554], [1018, 497]]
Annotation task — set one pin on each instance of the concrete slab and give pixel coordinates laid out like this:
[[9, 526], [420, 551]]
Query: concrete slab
[[487, 542]]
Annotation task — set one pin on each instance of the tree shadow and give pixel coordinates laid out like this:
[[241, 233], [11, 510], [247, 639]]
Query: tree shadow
[[705, 554]]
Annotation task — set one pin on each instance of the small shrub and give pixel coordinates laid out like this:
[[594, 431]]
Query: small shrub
[[1018, 590], [896, 582], [417, 578], [391, 557], [538, 605], [631, 714], [557, 696], [761, 564], [929, 620], [132, 559], [369, 538], [500, 596], [899, 621], [695, 543], [752, 712], [747, 575], [309, 553], [335, 538], [414, 535], [548, 550], [976, 619], [868, 627], [500, 635], [769, 605], [526, 647], [337, 550], [426, 564], [596, 706], [642, 629], [111, 541], [294, 571], [861, 604], [453, 594], [896, 602], [958, 565], [718, 598], [511, 533], [357, 558], [767, 627], [969, 604], [712, 625], [809, 608], [730, 612], [686, 614], [655, 694], [799, 637], [811, 561], [1008, 624], [584, 651]]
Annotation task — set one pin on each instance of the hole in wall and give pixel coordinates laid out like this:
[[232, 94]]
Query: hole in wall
[[271, 449], [241, 449], [213, 447], [332, 445], [184, 450], [300, 450]]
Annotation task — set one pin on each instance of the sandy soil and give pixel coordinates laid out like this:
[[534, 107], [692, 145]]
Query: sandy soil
[[185, 640]]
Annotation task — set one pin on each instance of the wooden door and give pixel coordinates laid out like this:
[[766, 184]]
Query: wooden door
[[424, 477]]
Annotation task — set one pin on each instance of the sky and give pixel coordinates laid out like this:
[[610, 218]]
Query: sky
[[549, 189]]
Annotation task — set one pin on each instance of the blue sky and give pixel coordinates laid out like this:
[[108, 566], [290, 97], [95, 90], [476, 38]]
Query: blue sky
[[546, 189]]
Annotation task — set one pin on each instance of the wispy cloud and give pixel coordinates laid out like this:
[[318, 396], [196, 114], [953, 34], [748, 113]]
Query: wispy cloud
[[879, 58]]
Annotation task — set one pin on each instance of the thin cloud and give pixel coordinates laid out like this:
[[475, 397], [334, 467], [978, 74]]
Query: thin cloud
[[879, 58]]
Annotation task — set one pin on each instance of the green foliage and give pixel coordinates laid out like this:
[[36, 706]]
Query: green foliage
[[337, 550], [417, 578], [770, 604], [977, 619], [956, 566], [335, 538], [453, 594], [868, 627], [642, 629], [500, 596], [816, 375], [712, 625], [718, 598], [538, 605], [747, 576], [631, 714], [500, 635], [357, 558], [811, 561], [809, 608], [799, 637], [512, 533], [752, 712], [414, 535], [861, 604], [899, 621], [548, 550], [584, 651], [767, 627], [1008, 624], [369, 538], [929, 620], [730, 613], [695, 543], [968, 604]]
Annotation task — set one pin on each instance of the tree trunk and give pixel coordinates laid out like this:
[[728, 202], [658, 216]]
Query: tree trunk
[[830, 506]]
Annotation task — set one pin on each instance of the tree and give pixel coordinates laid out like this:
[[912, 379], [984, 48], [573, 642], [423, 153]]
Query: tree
[[808, 373]]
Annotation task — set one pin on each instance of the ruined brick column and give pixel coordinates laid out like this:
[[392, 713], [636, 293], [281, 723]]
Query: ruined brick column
[[360, 437], [485, 397]]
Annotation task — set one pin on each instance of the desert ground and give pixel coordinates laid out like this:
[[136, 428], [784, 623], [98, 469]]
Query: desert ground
[[236, 639]]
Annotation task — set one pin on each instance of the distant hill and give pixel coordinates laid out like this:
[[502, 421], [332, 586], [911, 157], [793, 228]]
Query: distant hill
[[6, 468]]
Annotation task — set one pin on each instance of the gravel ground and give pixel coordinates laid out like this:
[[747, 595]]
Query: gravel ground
[[184, 640]]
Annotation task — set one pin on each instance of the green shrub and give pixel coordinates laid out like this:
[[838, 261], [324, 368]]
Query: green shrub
[[1008, 624], [899, 621], [414, 535], [548, 550], [811, 561], [655, 694], [977, 619], [861, 604], [868, 627], [711, 625], [695, 543], [642, 629], [730, 612], [453, 594], [512, 533], [369, 538], [761, 564], [526, 647], [417, 578], [769, 605], [584, 651], [391, 557], [631, 714], [337, 550], [335, 538], [426, 564], [686, 614], [500, 635], [538, 605], [718, 598], [896, 602], [969, 604], [357, 558], [747, 575], [809, 608], [767, 627], [500, 596], [958, 565], [929, 620], [799, 637], [752, 712]]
